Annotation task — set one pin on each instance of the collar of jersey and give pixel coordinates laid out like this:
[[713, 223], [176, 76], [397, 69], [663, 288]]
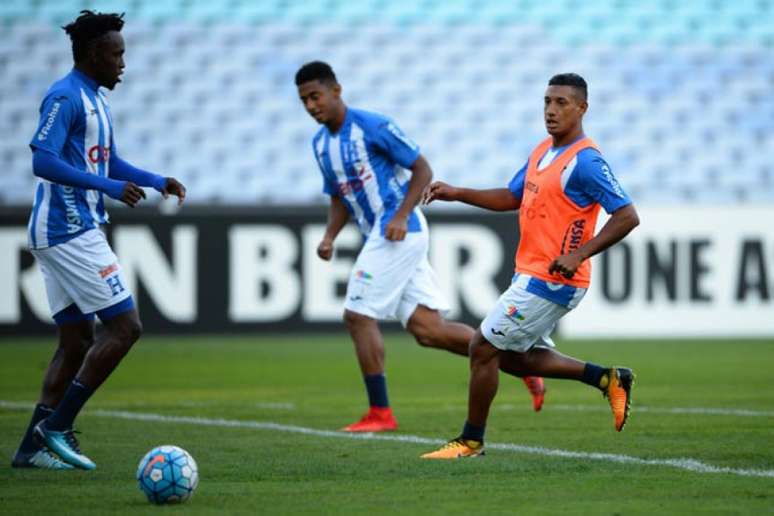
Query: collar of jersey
[[88, 81], [559, 150], [343, 124]]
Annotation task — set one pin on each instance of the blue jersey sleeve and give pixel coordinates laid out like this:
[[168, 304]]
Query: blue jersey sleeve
[[395, 144], [57, 117], [124, 171], [593, 181], [516, 186]]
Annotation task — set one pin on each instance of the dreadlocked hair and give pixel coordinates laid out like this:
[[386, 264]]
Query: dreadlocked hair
[[89, 27]]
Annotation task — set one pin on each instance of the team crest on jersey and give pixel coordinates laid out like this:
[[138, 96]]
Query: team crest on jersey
[[514, 313]]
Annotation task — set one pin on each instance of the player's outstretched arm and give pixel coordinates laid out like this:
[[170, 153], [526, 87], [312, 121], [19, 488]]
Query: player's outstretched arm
[[52, 168], [122, 170], [337, 219], [496, 199], [621, 222]]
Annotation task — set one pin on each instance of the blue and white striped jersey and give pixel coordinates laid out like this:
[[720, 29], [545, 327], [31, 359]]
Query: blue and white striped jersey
[[75, 125], [364, 164]]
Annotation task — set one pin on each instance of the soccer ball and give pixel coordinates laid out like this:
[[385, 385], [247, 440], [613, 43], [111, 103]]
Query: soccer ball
[[167, 474]]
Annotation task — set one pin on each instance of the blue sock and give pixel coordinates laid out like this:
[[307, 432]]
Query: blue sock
[[376, 385], [28, 444], [592, 375], [473, 432], [74, 399]]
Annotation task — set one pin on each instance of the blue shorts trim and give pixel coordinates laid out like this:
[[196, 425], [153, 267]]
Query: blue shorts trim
[[71, 314], [117, 309]]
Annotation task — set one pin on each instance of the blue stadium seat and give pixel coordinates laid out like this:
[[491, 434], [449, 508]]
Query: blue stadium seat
[[209, 95]]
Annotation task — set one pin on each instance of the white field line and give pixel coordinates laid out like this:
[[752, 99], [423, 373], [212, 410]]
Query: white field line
[[268, 405], [686, 464], [602, 407]]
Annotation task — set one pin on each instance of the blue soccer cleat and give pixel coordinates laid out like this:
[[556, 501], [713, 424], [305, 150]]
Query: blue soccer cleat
[[40, 459], [65, 445]]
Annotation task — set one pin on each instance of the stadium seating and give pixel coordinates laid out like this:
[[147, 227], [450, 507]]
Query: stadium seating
[[679, 91]]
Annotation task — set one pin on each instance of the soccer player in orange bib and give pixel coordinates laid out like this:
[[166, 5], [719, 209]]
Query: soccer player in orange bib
[[558, 193]]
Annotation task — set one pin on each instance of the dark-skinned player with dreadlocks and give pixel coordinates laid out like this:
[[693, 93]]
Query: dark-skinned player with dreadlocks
[[75, 161]]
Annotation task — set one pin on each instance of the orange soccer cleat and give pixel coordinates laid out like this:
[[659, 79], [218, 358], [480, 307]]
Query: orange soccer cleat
[[457, 449], [619, 393], [377, 419], [537, 389]]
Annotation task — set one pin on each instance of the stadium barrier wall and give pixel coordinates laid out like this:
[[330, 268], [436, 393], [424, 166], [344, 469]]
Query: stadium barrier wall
[[683, 272]]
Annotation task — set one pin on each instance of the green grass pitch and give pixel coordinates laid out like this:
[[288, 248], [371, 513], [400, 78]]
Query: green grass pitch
[[687, 393]]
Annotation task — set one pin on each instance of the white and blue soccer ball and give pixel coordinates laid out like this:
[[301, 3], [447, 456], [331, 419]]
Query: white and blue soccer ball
[[168, 474]]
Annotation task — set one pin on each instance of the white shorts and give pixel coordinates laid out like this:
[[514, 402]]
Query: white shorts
[[521, 319], [84, 271], [390, 279]]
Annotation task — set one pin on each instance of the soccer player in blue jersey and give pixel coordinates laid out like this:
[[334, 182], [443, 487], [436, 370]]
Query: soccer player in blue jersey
[[75, 159], [558, 193], [365, 161]]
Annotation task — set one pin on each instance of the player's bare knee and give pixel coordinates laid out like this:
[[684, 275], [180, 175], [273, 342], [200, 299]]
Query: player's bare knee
[[134, 331], [128, 332], [480, 351], [471, 345], [77, 349], [86, 342], [477, 355], [354, 320], [75, 341], [426, 335], [427, 327]]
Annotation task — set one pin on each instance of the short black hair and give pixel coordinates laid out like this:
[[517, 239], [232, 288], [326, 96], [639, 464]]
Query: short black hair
[[316, 71], [573, 80], [90, 26]]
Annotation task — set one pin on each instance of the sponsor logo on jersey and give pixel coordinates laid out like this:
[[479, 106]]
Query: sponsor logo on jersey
[[357, 183], [613, 183], [73, 216], [573, 237], [43, 134], [402, 137], [98, 153]]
